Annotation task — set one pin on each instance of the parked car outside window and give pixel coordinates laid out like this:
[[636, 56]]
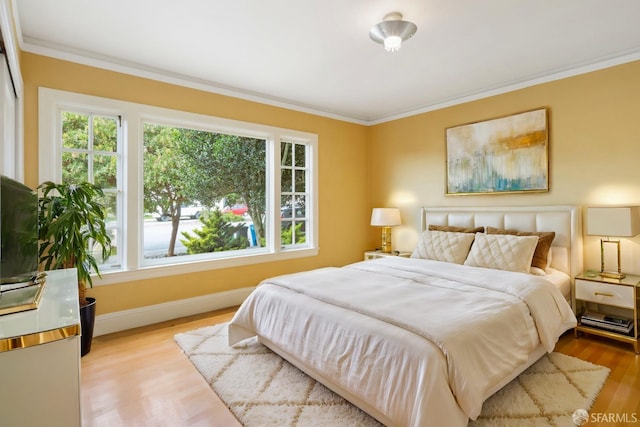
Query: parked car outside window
[[286, 212], [237, 209], [191, 211]]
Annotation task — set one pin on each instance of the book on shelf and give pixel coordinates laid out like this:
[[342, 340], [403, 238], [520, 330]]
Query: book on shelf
[[608, 322]]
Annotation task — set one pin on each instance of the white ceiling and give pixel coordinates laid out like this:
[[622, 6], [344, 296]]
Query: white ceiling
[[316, 55]]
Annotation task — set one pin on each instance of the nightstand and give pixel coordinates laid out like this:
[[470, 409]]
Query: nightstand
[[379, 254], [596, 297]]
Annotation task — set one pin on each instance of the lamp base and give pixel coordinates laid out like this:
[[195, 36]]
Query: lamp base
[[612, 275], [386, 240]]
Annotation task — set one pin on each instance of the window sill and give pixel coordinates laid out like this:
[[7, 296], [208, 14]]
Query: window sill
[[155, 271]]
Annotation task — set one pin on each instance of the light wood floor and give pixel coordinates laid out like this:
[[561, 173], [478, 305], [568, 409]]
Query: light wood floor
[[141, 378]]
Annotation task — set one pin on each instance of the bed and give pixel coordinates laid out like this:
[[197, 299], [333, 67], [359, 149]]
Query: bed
[[423, 341]]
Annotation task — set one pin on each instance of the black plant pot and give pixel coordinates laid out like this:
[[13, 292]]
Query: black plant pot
[[87, 320]]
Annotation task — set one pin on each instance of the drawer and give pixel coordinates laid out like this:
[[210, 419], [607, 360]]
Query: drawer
[[604, 293]]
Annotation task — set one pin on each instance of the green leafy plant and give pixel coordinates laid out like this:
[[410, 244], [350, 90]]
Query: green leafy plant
[[217, 234], [71, 224], [287, 235]]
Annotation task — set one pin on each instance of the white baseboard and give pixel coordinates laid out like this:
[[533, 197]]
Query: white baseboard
[[127, 319]]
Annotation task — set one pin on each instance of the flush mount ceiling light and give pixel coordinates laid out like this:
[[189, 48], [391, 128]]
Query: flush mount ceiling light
[[392, 31]]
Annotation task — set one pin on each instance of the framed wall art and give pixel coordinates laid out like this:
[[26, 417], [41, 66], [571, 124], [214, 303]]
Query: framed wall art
[[503, 155]]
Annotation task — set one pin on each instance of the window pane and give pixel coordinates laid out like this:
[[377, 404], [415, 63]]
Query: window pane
[[286, 206], [300, 155], [286, 180], [293, 232], [300, 181], [110, 202], [113, 261], [299, 232], [104, 171], [300, 210], [286, 155], [75, 130], [286, 236], [105, 136], [75, 167], [223, 174]]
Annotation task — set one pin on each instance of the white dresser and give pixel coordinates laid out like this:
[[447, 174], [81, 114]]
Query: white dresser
[[40, 359]]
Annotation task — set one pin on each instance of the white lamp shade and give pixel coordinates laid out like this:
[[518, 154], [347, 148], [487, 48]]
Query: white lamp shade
[[616, 221], [385, 217]]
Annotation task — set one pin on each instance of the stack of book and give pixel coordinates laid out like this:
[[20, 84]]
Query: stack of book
[[618, 324]]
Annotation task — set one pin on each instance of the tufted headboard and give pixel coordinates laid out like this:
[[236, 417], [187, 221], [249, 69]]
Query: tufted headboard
[[566, 248]]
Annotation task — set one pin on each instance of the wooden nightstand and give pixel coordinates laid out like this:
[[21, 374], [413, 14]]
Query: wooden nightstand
[[379, 254], [603, 296]]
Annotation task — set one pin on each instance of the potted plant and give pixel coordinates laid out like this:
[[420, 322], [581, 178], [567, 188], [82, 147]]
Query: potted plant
[[71, 225]]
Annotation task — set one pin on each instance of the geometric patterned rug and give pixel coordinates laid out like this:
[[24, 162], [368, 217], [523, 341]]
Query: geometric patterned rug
[[262, 389]]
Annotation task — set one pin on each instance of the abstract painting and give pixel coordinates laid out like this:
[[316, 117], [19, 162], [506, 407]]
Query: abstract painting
[[502, 155]]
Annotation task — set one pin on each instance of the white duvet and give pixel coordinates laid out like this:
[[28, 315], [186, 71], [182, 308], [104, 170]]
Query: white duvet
[[413, 342]]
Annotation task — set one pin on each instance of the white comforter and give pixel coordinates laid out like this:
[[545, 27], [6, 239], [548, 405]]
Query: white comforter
[[404, 337]]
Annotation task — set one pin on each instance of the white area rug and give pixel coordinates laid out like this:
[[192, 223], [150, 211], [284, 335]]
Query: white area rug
[[261, 389]]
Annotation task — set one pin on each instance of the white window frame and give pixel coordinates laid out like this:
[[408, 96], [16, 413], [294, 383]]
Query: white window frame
[[52, 102], [90, 151]]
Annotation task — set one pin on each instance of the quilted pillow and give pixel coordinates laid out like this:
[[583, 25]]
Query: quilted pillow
[[443, 246], [455, 229], [541, 257], [502, 252]]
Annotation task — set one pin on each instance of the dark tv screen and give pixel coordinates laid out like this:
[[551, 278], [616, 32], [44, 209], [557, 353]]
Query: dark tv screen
[[18, 232]]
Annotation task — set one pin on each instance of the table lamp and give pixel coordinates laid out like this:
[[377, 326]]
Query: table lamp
[[617, 221], [385, 218]]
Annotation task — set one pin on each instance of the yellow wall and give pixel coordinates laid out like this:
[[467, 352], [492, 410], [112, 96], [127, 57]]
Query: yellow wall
[[594, 151], [342, 174]]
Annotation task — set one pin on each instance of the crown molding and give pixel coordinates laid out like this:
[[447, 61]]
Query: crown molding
[[589, 67], [40, 47], [90, 59]]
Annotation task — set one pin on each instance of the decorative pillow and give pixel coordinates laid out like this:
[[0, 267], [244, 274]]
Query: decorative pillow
[[452, 228], [541, 257], [443, 246], [502, 252]]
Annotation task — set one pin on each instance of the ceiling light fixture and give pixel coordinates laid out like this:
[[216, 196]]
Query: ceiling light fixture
[[392, 31]]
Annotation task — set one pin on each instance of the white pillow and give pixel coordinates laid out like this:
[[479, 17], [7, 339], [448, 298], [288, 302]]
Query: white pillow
[[443, 246], [537, 271], [502, 252]]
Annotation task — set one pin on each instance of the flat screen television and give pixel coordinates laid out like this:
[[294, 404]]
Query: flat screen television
[[18, 232]]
